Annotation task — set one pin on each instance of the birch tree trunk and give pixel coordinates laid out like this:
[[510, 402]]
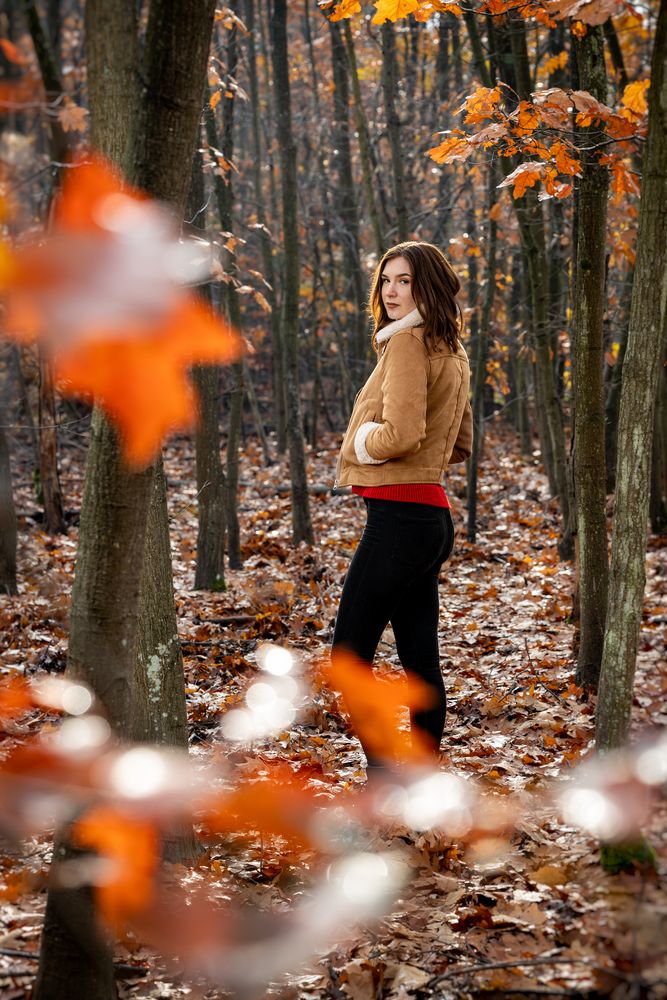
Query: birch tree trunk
[[641, 372]]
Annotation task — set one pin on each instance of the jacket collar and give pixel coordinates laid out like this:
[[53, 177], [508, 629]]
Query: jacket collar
[[413, 318]]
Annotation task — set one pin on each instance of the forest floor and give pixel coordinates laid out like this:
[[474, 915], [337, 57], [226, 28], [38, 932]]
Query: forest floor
[[523, 914]]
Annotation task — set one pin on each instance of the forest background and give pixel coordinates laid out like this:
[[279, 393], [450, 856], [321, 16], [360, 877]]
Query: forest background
[[514, 137]]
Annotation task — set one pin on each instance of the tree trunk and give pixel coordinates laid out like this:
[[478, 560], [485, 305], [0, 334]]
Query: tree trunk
[[440, 102], [658, 501], [301, 524], [158, 704], [74, 950], [54, 515], [211, 486], [611, 409], [277, 349], [58, 148], [588, 330], [253, 402], [365, 153], [641, 372], [389, 90], [345, 201], [210, 565], [328, 272], [7, 521], [481, 355], [531, 225], [225, 197], [155, 148]]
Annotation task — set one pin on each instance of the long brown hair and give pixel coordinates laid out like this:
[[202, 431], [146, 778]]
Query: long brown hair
[[434, 289]]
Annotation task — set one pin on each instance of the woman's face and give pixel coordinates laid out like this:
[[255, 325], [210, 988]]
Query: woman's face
[[396, 285]]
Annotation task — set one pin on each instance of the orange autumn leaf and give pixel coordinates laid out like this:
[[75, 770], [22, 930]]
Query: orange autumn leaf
[[15, 698], [481, 104], [106, 295], [375, 707], [427, 10], [344, 9], [72, 118], [12, 53], [276, 807], [489, 135], [528, 119], [393, 10], [131, 846], [141, 382], [623, 181], [565, 164], [524, 176], [634, 96], [556, 62], [451, 149]]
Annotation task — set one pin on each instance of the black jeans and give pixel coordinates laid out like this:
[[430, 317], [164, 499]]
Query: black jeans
[[393, 577]]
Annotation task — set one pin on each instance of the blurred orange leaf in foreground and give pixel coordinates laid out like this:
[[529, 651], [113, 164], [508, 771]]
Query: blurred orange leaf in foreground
[[15, 698], [277, 807], [105, 293], [131, 847], [375, 706]]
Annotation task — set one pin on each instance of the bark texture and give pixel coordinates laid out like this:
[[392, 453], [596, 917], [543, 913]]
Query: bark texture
[[156, 151], [389, 90], [264, 236], [302, 530], [481, 355], [588, 332], [49, 479], [7, 521], [641, 371]]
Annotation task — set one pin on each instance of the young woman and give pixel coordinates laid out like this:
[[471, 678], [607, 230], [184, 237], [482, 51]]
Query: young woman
[[410, 421]]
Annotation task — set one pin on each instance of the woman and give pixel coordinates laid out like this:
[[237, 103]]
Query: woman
[[410, 421]]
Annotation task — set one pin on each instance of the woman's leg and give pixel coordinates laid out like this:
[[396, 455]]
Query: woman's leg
[[398, 558], [366, 600], [367, 597], [415, 624]]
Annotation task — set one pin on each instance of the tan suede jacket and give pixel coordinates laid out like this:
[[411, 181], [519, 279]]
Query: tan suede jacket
[[412, 418]]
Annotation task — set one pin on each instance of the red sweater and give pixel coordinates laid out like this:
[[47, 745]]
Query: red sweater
[[429, 493]]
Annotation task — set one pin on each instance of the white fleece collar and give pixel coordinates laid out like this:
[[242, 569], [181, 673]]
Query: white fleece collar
[[413, 318]]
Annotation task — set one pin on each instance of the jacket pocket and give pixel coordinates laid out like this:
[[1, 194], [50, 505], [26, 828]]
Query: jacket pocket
[[366, 412]]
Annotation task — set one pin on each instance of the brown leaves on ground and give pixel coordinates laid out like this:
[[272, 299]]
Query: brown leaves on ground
[[527, 888]]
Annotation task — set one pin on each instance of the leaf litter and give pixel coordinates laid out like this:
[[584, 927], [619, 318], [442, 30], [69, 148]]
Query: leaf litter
[[532, 893]]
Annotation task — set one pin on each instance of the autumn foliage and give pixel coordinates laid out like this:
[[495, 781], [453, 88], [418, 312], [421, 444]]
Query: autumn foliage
[[102, 293]]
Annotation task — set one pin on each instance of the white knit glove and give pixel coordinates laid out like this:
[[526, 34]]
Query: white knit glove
[[360, 444]]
